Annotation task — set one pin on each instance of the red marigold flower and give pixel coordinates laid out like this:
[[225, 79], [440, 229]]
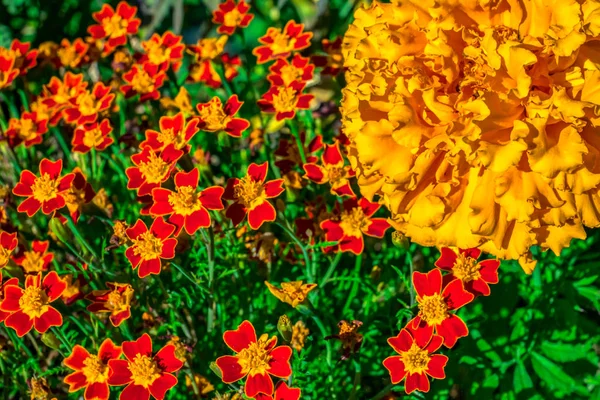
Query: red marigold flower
[[60, 94], [256, 359], [114, 26], [46, 191], [151, 169], [144, 80], [250, 194], [35, 260], [230, 16], [416, 359], [150, 246], [8, 72], [282, 392], [173, 130], [163, 51], [91, 371], [116, 301], [284, 72], [283, 101], [349, 337], [73, 291], [280, 44], [214, 117], [435, 303], [11, 281], [92, 136], [188, 207], [143, 373], [288, 155], [332, 171], [24, 59], [333, 62], [84, 108], [27, 130], [475, 276], [354, 222], [80, 193], [30, 307], [8, 243], [71, 55]]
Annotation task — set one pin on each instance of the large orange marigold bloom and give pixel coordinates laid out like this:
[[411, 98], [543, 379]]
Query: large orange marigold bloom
[[475, 121]]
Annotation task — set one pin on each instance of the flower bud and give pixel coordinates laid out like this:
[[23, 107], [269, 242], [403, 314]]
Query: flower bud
[[214, 368], [50, 340], [400, 240], [284, 326]]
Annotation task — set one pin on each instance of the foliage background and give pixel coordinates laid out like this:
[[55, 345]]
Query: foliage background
[[535, 337]]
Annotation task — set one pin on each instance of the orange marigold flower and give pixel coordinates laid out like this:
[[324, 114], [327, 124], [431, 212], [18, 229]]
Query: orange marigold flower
[[476, 276], [349, 336], [333, 62], [114, 26], [91, 371], [84, 108], [72, 55], [24, 59], [173, 130], [229, 16], [79, 194], [436, 302], [279, 43], [188, 207], [46, 191], [151, 169], [331, 171], [250, 194], [283, 101], [10, 281], [73, 291], [215, 117], [8, 72], [293, 293], [284, 72], [282, 392], [163, 51], [27, 130], [30, 307], [181, 103], [144, 80], [150, 246], [354, 222], [116, 301], [60, 94], [8, 243], [92, 136], [144, 374], [415, 360], [255, 359], [35, 260]]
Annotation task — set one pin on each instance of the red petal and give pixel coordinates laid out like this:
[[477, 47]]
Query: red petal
[[149, 267], [401, 342], [427, 284], [20, 322], [416, 382], [274, 188], [136, 230], [198, 219], [48, 319], [76, 358], [29, 206], [473, 252], [231, 370], [12, 295], [233, 105], [97, 391], [119, 373], [420, 331], [53, 286], [236, 212], [315, 173], [108, 351], [240, 338], [279, 365], [377, 227], [166, 359], [258, 172], [264, 212], [478, 287], [168, 249], [489, 270], [447, 259], [436, 365], [160, 386], [396, 368], [51, 168], [451, 329], [135, 392], [353, 244], [141, 346], [134, 259], [76, 381], [211, 198], [161, 229], [187, 178], [259, 383], [332, 155], [236, 126], [369, 208], [455, 295]]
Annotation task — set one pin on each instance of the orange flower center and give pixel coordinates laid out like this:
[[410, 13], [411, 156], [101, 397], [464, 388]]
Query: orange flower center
[[334, 174], [255, 358], [94, 369], [44, 188], [185, 200], [144, 370], [282, 43], [34, 302], [285, 100], [415, 359], [87, 103], [213, 116], [28, 129], [249, 192], [64, 93], [169, 136], [93, 138], [142, 82], [68, 56], [157, 54], [148, 246], [117, 301], [4, 254], [115, 26], [353, 222], [155, 169], [233, 18], [210, 48], [433, 309], [466, 268], [33, 262], [290, 73], [74, 198]]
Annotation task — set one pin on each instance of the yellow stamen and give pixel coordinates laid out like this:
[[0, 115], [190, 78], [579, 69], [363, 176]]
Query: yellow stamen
[[249, 192], [94, 369], [144, 370], [33, 262], [44, 188], [285, 100], [232, 18], [466, 268], [142, 82], [255, 358], [115, 26], [28, 129], [147, 246], [353, 222], [155, 169], [185, 200], [93, 138], [290, 73], [87, 103], [433, 309], [213, 116], [415, 359], [282, 43], [34, 302]]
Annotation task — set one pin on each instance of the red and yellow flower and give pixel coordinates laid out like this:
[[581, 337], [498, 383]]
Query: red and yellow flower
[[333, 62], [205, 52], [46, 191], [435, 305], [331, 171], [163, 51], [79, 194], [284, 72], [283, 101], [72, 55], [188, 207], [92, 136], [8, 72], [278, 43], [59, 94], [416, 360], [114, 26], [230, 16], [10, 281], [250, 194], [30, 307], [475, 276], [24, 58], [181, 103], [91, 371], [216, 117], [116, 301], [144, 374], [144, 80], [35, 260], [151, 169], [27, 130], [150, 246], [354, 222], [173, 130], [255, 359], [73, 291], [282, 392], [8, 243], [84, 108]]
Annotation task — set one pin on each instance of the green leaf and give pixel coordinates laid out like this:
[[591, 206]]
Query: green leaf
[[553, 375], [521, 378], [565, 352]]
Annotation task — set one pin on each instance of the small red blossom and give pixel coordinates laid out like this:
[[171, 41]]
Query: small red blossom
[[8, 72], [151, 169], [332, 171], [72, 55], [116, 301], [8, 243], [288, 155], [215, 117], [23, 58], [30, 307], [333, 62], [230, 16], [84, 108], [256, 359], [114, 26], [59, 95], [476, 276], [150, 246], [173, 130], [27, 130], [188, 207], [282, 392], [279, 43], [435, 305], [163, 51], [46, 191], [283, 101], [144, 80], [35, 260], [284, 72], [354, 222], [79, 194], [250, 194], [10, 281], [91, 371], [92, 136], [144, 374]]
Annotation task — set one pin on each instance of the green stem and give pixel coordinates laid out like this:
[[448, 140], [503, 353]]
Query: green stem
[[189, 278], [383, 392], [324, 333], [94, 161], [79, 237], [210, 252], [330, 270], [299, 143], [309, 273], [357, 265]]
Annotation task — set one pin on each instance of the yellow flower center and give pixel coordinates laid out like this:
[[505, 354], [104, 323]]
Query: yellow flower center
[[282, 43], [33, 262], [116, 301], [249, 192], [232, 18], [213, 116], [142, 82], [34, 302], [74, 197], [415, 359], [87, 103], [433, 309], [185, 200], [93, 138], [255, 358], [334, 174], [144, 370], [290, 73], [148, 246], [44, 188], [466, 268], [68, 56], [4, 254], [169, 136], [155, 169], [210, 48], [28, 129], [353, 222], [94, 369], [115, 26], [157, 54], [285, 100]]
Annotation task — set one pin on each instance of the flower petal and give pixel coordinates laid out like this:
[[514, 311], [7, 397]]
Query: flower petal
[[435, 367], [451, 329], [279, 365], [160, 386], [231, 370], [396, 368], [427, 284], [447, 259], [166, 359], [259, 383], [240, 338]]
